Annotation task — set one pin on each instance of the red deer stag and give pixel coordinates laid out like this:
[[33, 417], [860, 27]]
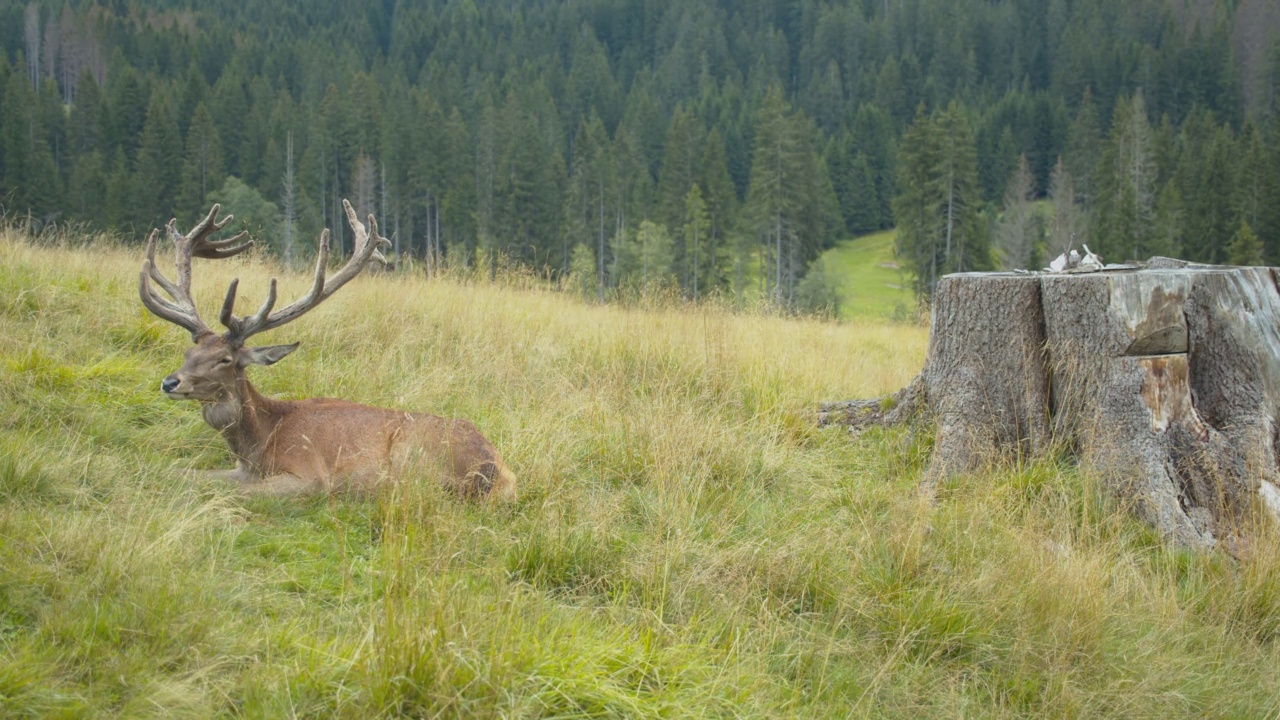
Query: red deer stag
[[293, 447]]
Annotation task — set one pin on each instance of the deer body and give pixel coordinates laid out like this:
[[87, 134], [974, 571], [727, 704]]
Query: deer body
[[329, 445], [307, 446]]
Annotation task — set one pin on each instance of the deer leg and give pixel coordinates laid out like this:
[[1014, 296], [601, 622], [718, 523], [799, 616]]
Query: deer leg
[[279, 485], [235, 475]]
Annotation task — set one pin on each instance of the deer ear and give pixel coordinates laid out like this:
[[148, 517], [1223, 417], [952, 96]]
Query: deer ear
[[268, 355]]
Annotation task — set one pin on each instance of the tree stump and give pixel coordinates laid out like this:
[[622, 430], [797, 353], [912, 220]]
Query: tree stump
[[1163, 378]]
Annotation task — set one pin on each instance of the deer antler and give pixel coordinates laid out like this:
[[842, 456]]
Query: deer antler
[[367, 243], [196, 243]]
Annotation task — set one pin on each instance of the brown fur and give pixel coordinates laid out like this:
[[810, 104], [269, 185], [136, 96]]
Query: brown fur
[[291, 447], [327, 445]]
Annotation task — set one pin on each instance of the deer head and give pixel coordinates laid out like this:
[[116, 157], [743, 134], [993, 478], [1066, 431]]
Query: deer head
[[213, 367]]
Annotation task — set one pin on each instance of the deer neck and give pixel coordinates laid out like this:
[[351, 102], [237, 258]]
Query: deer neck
[[245, 418]]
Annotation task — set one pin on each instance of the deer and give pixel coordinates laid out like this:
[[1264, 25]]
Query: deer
[[300, 447]]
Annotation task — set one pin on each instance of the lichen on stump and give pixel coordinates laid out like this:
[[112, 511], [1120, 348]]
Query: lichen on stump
[[1164, 379]]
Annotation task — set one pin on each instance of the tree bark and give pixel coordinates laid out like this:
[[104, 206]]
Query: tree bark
[[1164, 380]]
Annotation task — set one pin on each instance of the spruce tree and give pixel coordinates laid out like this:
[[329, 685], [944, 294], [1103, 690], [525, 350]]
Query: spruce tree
[[88, 123], [1084, 146], [128, 105], [1015, 230], [87, 190], [123, 209], [582, 272], [680, 171], [1126, 185], [657, 256], [1258, 181], [1070, 227], [1168, 235], [966, 245], [722, 203], [873, 136], [1244, 248], [696, 245], [1206, 177], [201, 165], [862, 204], [31, 180], [773, 205], [916, 206], [159, 164]]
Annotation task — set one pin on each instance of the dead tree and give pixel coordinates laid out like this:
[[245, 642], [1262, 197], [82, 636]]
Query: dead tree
[[1163, 378]]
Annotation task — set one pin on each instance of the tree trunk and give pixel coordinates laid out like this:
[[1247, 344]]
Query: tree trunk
[[1164, 380]]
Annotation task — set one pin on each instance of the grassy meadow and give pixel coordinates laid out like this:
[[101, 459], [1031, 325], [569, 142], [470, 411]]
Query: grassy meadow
[[872, 285], [686, 543]]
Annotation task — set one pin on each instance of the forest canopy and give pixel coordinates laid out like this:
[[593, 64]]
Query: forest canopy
[[708, 145]]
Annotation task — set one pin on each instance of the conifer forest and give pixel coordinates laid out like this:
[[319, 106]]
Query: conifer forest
[[714, 146]]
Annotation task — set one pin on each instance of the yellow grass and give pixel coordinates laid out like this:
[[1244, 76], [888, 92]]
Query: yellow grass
[[686, 544]]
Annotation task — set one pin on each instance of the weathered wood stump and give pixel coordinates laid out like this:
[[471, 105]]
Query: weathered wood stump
[[1164, 379]]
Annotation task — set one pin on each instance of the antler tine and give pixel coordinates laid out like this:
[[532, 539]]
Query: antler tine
[[203, 247], [196, 243], [367, 242], [380, 243], [182, 310], [155, 275], [240, 328]]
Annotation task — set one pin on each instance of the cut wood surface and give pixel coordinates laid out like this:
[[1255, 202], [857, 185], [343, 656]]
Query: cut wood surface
[[1164, 379]]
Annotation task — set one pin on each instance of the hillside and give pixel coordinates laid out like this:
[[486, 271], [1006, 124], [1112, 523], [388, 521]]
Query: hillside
[[871, 281], [684, 141], [686, 544]]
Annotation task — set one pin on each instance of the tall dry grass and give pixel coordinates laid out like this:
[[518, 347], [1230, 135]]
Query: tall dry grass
[[686, 543]]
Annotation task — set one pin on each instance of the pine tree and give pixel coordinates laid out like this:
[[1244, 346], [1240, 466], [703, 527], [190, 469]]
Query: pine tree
[[128, 105], [123, 200], [1206, 177], [159, 164], [696, 226], [1070, 228], [289, 204], [87, 189], [873, 136], [229, 107], [679, 172], [1084, 147], [31, 179], [582, 272], [332, 138], [633, 188], [643, 259], [722, 202], [1244, 248], [202, 165], [938, 210], [1259, 179], [1015, 230], [88, 123], [965, 243], [773, 205], [657, 256], [1168, 236], [916, 207], [1126, 185], [862, 203], [589, 198]]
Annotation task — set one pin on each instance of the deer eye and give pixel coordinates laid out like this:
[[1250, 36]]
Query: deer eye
[[224, 361]]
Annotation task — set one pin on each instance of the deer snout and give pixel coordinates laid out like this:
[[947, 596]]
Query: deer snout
[[169, 384]]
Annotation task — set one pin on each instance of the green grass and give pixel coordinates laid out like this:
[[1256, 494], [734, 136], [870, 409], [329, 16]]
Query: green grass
[[871, 283], [686, 543]]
